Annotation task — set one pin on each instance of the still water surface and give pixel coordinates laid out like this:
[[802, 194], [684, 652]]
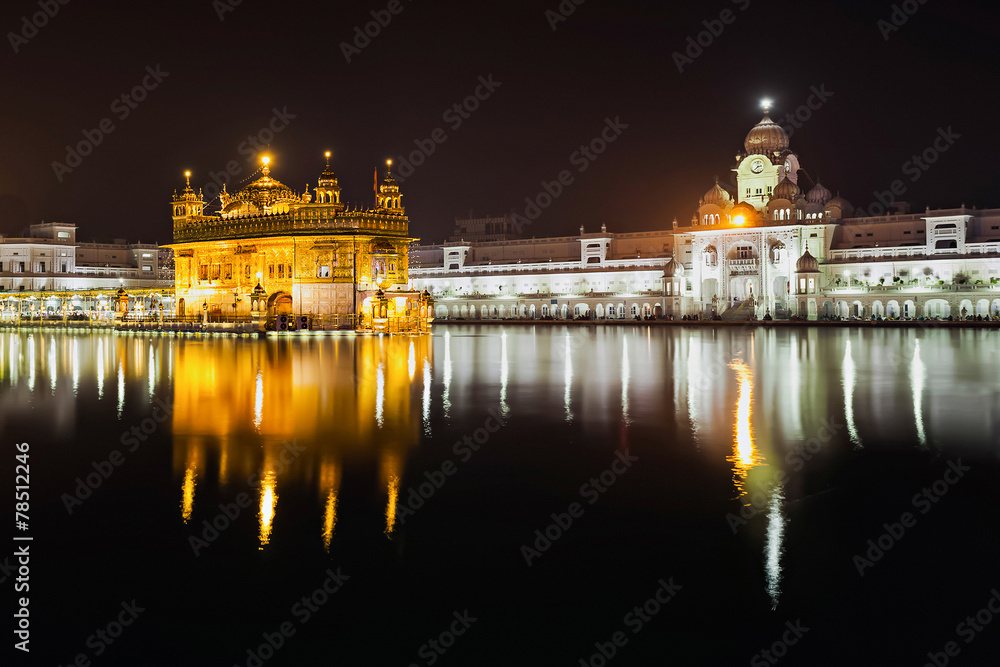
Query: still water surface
[[748, 467]]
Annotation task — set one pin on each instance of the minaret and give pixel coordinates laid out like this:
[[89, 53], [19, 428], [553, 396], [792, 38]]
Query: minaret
[[188, 204], [388, 200], [327, 190]]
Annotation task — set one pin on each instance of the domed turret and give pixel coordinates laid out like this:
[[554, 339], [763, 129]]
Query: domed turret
[[818, 194], [839, 205], [717, 195], [766, 137], [786, 190], [265, 195], [742, 214], [807, 263], [673, 269]]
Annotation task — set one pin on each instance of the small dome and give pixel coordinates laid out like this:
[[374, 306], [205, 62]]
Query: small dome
[[673, 269], [786, 190], [717, 195], [818, 194], [766, 137], [839, 202], [807, 264]]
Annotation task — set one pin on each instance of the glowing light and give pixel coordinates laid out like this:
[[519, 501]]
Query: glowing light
[[268, 502], [625, 378], [187, 174], [745, 455], [917, 376], [258, 401], [388, 163], [773, 545], [390, 508], [327, 154], [569, 381], [187, 493], [411, 362], [121, 387], [427, 398], [445, 400], [266, 160], [739, 220], [379, 393], [765, 104], [504, 408], [329, 518]]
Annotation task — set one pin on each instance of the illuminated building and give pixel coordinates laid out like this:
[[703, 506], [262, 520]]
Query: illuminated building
[[776, 242], [308, 254], [48, 268]]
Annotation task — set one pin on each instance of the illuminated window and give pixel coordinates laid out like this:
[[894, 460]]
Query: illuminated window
[[216, 272], [228, 273], [812, 285], [324, 271], [270, 271], [203, 272], [289, 271], [281, 271], [802, 285], [246, 271]]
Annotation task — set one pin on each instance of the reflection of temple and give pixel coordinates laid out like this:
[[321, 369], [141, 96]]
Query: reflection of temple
[[261, 417], [271, 251]]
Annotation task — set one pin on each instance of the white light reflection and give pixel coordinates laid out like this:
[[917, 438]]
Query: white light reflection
[[31, 363], [151, 370], [773, 547], [379, 393], [121, 387], [504, 409], [569, 381], [918, 373], [445, 400], [427, 397], [52, 365], [848, 380], [76, 365], [412, 362], [625, 377], [258, 400], [100, 369]]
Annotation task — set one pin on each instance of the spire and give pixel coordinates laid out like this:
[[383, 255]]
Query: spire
[[266, 170], [327, 154]]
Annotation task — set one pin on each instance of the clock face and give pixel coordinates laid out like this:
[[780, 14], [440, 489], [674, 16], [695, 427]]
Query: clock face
[[757, 166]]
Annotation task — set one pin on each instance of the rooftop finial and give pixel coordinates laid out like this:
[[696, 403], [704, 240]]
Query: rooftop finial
[[266, 160], [187, 175], [765, 104], [327, 154], [388, 168]]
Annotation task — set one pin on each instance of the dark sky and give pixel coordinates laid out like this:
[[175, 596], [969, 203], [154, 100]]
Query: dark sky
[[606, 60]]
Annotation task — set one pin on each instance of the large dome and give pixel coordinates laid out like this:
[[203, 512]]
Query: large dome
[[673, 269], [807, 263], [786, 190], [259, 196], [766, 137]]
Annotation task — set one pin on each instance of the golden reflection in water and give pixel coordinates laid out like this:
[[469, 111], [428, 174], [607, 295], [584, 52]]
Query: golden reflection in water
[[268, 504], [745, 455], [190, 480], [299, 414], [412, 362], [773, 547], [329, 481], [917, 375], [848, 382], [427, 398]]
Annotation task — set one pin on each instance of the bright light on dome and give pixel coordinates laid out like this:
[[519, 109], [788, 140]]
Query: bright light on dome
[[187, 174], [265, 160], [327, 154], [739, 220], [765, 104]]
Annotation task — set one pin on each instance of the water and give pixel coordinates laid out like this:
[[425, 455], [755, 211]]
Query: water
[[749, 468]]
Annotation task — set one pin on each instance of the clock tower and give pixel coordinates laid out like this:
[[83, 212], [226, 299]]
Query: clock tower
[[765, 163]]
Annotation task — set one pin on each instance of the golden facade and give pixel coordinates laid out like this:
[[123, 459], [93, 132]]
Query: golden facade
[[272, 251]]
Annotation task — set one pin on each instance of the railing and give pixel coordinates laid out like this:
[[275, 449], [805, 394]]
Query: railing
[[540, 267]]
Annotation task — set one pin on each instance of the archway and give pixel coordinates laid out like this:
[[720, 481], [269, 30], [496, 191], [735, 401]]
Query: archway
[[909, 309], [442, 312], [892, 310], [279, 303], [857, 310], [965, 305], [842, 310], [464, 312], [599, 311], [181, 306], [983, 307], [877, 310], [531, 311], [937, 308], [828, 310]]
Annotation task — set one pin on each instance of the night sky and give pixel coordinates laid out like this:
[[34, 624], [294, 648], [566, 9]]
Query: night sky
[[224, 79]]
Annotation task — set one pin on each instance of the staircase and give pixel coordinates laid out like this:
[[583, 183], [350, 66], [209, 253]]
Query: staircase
[[738, 313]]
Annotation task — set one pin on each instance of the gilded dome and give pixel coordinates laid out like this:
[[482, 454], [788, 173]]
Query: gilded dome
[[717, 195], [766, 137], [807, 263], [673, 269], [259, 196], [786, 190], [818, 194]]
